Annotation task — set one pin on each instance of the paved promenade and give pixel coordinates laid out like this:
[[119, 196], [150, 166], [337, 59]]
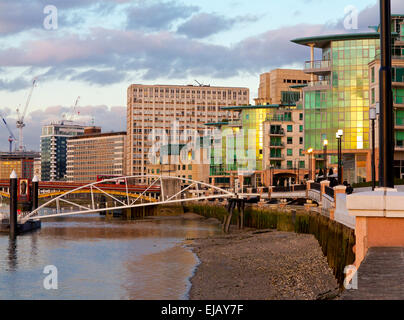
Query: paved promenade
[[380, 276]]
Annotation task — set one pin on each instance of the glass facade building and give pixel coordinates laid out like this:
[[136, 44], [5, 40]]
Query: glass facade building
[[54, 149], [341, 97]]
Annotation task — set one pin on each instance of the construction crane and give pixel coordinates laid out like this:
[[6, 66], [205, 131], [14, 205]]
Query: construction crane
[[20, 119], [73, 113], [11, 138]]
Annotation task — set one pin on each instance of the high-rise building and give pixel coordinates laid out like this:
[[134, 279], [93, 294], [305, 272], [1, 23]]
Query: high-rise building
[[158, 107], [276, 86], [94, 154], [339, 99], [54, 148]]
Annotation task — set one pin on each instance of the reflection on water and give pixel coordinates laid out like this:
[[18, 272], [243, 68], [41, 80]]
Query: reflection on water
[[101, 259]]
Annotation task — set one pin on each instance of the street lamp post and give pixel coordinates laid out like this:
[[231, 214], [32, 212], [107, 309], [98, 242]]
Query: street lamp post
[[339, 135], [386, 127], [372, 117], [310, 152], [325, 143]]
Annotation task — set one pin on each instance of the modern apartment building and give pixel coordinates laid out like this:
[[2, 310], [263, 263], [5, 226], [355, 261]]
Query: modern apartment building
[[153, 110], [94, 154], [54, 148], [275, 86], [21, 162], [341, 97], [398, 104], [264, 147]]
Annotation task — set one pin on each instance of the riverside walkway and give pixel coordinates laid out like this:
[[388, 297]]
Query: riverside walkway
[[380, 276]]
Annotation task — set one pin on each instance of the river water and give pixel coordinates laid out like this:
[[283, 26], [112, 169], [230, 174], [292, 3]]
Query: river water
[[98, 258]]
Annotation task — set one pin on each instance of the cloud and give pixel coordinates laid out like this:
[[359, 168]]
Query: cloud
[[158, 16], [14, 85], [102, 78], [105, 56], [203, 24], [109, 118], [22, 15]]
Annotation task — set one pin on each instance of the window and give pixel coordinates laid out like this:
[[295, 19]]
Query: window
[[300, 116], [301, 164], [289, 164], [301, 153], [373, 75], [290, 140], [290, 128], [190, 167], [373, 96], [290, 152], [301, 140], [301, 128]]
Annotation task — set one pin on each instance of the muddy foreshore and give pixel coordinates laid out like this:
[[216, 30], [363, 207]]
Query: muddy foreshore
[[261, 265]]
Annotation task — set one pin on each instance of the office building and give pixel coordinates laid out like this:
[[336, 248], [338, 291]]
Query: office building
[[94, 154], [276, 86], [153, 109]]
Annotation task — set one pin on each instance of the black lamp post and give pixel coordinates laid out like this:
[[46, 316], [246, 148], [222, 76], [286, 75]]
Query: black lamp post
[[339, 135], [372, 117], [386, 129], [310, 152], [325, 143]]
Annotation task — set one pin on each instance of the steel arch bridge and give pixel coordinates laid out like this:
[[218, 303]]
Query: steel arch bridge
[[172, 190]]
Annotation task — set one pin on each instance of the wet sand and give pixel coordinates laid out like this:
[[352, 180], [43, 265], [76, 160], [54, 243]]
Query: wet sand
[[257, 265]]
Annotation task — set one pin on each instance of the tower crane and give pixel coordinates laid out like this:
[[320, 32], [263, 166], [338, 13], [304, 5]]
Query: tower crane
[[11, 138], [71, 118], [20, 120]]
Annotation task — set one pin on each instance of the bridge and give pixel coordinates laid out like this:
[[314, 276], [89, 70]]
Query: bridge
[[48, 189], [170, 189]]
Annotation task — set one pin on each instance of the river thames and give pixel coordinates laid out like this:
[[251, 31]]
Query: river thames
[[98, 258]]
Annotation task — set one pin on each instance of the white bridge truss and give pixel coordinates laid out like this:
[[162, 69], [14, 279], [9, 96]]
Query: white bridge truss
[[172, 190]]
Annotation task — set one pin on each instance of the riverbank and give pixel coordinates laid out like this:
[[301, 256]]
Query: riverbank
[[260, 265]]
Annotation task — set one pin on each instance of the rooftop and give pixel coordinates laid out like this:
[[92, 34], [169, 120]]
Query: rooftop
[[322, 41], [98, 135], [265, 106]]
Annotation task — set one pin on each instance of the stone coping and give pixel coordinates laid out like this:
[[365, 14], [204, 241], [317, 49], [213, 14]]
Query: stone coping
[[379, 203]]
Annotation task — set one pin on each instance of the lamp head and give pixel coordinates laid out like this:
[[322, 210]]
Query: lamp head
[[310, 150], [325, 143], [339, 133], [372, 113]]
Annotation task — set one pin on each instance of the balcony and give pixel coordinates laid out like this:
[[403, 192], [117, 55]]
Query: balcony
[[276, 145], [319, 85], [279, 133], [398, 81], [278, 118], [317, 66], [235, 123], [276, 157]]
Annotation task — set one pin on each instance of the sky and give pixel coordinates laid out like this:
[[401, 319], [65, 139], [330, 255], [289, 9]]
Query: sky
[[98, 48]]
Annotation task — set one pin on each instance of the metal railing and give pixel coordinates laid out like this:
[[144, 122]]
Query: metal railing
[[317, 64], [319, 83], [315, 186], [329, 191]]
